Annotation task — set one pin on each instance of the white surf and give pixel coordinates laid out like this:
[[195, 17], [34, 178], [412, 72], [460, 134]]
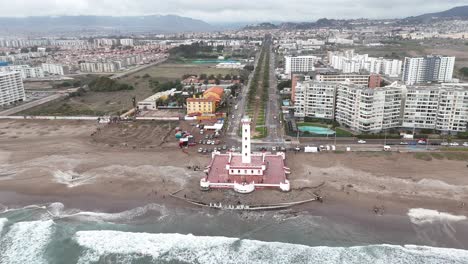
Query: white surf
[[204, 249], [420, 216], [25, 242]]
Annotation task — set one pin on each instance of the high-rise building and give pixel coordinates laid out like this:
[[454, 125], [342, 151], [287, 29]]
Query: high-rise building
[[11, 88], [428, 69], [444, 107], [369, 110], [25, 70], [315, 99], [55, 69], [300, 64], [421, 107], [350, 62], [126, 42]]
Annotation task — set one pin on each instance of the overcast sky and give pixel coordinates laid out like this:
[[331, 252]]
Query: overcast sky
[[230, 11]]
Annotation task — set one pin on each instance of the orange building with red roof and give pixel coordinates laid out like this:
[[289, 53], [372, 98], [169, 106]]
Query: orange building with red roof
[[215, 93]]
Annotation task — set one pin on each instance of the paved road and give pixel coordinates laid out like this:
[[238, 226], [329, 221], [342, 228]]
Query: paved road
[[32, 104], [275, 130], [234, 123]]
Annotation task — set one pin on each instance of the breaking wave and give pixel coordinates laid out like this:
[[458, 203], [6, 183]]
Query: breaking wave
[[2, 224], [25, 242], [177, 248], [426, 216]]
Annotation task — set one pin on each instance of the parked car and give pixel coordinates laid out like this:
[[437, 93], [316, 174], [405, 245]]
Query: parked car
[[444, 144], [224, 147], [361, 141], [204, 150], [200, 150], [403, 143], [465, 144], [273, 148], [454, 144]]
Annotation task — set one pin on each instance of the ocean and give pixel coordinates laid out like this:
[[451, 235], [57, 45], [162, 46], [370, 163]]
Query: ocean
[[52, 233]]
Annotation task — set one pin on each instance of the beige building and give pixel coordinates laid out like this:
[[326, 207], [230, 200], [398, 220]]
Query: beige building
[[201, 106]]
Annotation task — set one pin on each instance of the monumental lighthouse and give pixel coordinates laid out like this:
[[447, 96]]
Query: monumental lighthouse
[[246, 152], [246, 171]]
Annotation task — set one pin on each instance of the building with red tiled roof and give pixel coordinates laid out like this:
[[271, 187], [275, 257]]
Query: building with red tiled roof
[[215, 93]]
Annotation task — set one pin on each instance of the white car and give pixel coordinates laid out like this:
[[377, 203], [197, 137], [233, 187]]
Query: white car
[[273, 148], [454, 144], [403, 143], [465, 144], [200, 150], [361, 141], [444, 144]]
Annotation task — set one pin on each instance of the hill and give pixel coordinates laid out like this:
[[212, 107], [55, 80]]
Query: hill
[[456, 12], [154, 23]]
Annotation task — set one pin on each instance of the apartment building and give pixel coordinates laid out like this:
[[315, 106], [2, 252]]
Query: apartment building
[[26, 71], [55, 69], [367, 80], [428, 69], [299, 64], [443, 108], [126, 42], [350, 62], [369, 110], [99, 66], [11, 88], [421, 107], [452, 114], [315, 99]]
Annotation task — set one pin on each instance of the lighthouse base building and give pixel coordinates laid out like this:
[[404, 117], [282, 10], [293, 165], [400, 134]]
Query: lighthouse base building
[[245, 172]]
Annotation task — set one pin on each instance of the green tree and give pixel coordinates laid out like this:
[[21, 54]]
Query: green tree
[[228, 77], [464, 72], [203, 76], [284, 84]]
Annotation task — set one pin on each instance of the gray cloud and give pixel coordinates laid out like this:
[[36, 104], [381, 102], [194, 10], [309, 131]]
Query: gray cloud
[[230, 11]]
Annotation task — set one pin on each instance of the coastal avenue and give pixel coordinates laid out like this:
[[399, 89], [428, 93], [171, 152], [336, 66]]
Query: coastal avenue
[[272, 114]]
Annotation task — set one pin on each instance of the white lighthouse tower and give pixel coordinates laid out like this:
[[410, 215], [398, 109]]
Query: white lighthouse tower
[[246, 152]]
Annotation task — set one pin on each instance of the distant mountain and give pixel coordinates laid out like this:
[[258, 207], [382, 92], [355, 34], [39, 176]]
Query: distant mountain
[[265, 25], [155, 23], [456, 12]]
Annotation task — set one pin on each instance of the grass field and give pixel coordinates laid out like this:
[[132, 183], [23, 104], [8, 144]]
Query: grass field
[[174, 71]]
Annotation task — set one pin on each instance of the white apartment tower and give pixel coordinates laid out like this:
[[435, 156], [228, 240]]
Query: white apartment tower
[[428, 69], [369, 110], [246, 151], [452, 114], [300, 64], [315, 99], [11, 88], [421, 107]]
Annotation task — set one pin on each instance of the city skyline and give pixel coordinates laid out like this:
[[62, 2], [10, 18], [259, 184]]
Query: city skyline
[[230, 12]]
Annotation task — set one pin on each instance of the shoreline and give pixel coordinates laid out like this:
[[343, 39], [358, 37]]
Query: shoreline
[[45, 162]]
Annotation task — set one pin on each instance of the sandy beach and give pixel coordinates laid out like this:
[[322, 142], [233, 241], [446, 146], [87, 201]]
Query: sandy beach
[[63, 161]]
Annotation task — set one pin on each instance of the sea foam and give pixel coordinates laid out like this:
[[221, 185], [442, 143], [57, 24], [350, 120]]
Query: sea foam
[[99, 245], [121, 216], [426, 216], [25, 242], [3, 221]]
